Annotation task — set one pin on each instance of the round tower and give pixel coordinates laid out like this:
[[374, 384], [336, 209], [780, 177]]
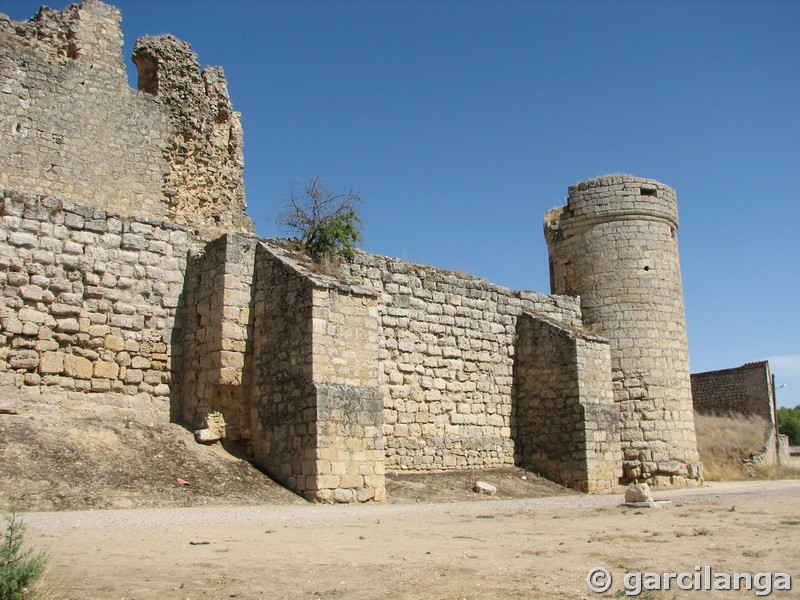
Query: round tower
[[614, 244]]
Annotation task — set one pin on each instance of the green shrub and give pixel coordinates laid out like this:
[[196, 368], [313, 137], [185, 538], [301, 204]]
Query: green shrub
[[18, 568], [789, 424], [328, 224]]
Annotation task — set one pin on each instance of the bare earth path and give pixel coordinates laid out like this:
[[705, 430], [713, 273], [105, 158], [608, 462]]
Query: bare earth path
[[531, 548]]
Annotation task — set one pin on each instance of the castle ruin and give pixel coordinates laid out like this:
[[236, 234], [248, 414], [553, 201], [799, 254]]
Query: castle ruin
[[134, 288]]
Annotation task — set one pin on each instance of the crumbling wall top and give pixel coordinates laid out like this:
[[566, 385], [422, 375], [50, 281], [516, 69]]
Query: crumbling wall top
[[205, 185], [70, 126], [88, 32]]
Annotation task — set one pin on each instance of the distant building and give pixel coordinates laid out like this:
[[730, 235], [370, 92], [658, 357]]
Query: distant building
[[746, 390]]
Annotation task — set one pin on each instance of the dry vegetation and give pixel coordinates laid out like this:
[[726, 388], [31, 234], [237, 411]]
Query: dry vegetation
[[728, 443]]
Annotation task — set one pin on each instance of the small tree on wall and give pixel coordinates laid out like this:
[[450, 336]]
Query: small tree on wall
[[328, 224]]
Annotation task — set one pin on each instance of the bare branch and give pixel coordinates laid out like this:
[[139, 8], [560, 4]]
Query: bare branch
[[327, 223]]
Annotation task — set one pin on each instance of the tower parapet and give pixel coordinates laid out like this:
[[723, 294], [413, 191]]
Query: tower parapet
[[615, 245]]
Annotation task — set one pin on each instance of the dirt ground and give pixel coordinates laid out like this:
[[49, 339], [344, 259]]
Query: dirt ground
[[521, 548], [58, 464], [232, 533]]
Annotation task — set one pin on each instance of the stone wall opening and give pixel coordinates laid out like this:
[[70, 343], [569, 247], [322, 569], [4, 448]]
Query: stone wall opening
[[148, 74]]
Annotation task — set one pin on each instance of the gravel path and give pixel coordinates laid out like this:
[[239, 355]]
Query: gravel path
[[197, 516], [522, 548]]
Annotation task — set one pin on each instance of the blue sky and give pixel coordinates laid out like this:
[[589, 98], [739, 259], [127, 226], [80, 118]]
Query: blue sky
[[461, 123]]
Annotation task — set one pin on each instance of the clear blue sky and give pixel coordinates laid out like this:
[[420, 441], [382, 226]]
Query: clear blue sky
[[461, 123]]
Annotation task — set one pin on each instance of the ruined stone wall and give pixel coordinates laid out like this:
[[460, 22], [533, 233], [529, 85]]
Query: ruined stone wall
[[614, 244], [565, 422], [745, 390], [329, 378], [316, 405], [284, 405], [344, 373], [446, 354], [350, 457], [88, 308], [204, 186], [215, 312], [71, 127]]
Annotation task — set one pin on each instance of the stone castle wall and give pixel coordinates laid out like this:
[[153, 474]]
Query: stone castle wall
[[615, 245], [72, 128], [446, 350], [567, 424], [316, 408], [204, 184], [169, 307], [746, 390], [215, 318], [391, 365], [88, 310]]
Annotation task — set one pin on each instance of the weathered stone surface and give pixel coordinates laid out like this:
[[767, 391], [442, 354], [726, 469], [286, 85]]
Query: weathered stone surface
[[331, 378], [745, 390], [638, 492], [51, 362], [567, 423], [207, 436], [343, 496], [481, 487], [204, 186], [23, 359], [79, 345], [106, 370], [77, 367], [174, 151], [214, 429], [615, 246]]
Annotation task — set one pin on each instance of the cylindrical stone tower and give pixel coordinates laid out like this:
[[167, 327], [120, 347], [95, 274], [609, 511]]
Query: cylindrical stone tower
[[614, 244]]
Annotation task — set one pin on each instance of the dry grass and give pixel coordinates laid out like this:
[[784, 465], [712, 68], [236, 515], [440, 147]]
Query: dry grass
[[45, 591], [725, 442], [777, 472]]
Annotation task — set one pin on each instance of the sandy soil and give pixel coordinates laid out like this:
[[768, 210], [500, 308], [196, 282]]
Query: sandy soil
[[519, 548], [73, 464], [233, 533]]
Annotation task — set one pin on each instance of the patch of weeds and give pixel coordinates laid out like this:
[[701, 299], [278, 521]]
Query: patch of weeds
[[702, 531], [755, 553]]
